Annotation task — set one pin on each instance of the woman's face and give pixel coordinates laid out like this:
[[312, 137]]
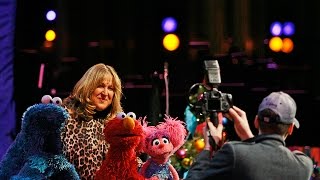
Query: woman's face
[[102, 96]]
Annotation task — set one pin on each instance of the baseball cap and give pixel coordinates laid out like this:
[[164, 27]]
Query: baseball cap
[[282, 104]]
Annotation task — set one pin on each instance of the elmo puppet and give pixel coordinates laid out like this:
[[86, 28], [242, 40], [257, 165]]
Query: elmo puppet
[[124, 134]]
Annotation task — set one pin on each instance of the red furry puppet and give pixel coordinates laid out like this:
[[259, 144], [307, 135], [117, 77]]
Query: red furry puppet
[[124, 134], [160, 143]]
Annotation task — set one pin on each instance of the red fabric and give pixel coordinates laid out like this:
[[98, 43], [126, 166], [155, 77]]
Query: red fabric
[[199, 128], [313, 152], [121, 160]]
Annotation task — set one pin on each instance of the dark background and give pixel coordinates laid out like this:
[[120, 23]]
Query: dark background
[[127, 35]]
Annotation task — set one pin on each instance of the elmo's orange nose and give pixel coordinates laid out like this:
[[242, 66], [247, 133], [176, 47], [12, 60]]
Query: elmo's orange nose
[[128, 123]]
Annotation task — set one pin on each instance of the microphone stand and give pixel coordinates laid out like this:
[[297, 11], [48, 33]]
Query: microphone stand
[[165, 76]]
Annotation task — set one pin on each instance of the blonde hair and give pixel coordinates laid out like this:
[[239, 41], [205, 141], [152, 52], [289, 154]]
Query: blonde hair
[[79, 102]]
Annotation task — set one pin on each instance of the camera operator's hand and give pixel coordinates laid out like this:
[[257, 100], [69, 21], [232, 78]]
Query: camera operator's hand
[[215, 132], [241, 124]]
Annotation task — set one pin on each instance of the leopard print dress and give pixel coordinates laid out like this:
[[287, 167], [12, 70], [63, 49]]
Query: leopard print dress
[[84, 145]]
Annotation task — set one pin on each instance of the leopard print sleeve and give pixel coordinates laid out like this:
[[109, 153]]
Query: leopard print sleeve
[[84, 145]]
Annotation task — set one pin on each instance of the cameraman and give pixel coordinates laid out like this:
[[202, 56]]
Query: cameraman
[[263, 157]]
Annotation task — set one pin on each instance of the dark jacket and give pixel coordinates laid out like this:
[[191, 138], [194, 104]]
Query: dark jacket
[[264, 157]]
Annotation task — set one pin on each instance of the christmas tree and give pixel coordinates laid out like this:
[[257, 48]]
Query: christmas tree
[[184, 156]]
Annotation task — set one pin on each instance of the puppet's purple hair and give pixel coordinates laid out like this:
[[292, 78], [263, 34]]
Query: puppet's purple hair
[[171, 127]]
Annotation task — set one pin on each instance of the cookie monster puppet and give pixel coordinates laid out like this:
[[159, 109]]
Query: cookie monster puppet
[[36, 153]]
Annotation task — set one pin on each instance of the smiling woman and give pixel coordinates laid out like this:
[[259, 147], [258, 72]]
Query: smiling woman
[[94, 100], [103, 94]]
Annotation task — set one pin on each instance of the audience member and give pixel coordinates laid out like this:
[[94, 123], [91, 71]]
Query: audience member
[[262, 157]]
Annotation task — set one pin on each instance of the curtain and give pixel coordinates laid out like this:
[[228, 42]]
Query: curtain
[[7, 104]]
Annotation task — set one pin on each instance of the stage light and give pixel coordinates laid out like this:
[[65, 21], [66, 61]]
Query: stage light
[[276, 28], [287, 46], [169, 24], [50, 35], [288, 28], [281, 40], [51, 15], [275, 44], [171, 42], [53, 91]]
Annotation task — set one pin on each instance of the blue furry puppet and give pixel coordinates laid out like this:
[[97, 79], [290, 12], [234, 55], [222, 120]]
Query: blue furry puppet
[[36, 153]]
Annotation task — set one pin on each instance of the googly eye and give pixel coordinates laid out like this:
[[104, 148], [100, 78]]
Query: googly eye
[[132, 115], [46, 99], [165, 140], [155, 142], [121, 115], [57, 100]]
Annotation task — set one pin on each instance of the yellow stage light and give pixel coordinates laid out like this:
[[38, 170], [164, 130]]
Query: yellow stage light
[[171, 42], [50, 35], [275, 44]]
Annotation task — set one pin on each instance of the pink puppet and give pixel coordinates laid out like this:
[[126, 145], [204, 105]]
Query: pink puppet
[[160, 143]]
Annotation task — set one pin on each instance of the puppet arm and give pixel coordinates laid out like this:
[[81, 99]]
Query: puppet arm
[[144, 167], [143, 171], [174, 172]]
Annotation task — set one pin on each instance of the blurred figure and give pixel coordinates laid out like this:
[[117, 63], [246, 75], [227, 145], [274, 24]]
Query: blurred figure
[[316, 175]]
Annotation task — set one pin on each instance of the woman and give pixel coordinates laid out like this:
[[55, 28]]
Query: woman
[[95, 99]]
